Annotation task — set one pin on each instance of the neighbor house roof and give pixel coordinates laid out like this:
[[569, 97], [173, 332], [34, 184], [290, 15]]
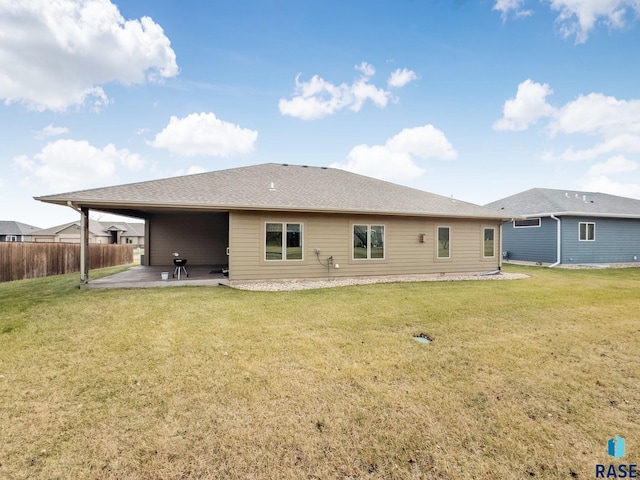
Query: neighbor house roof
[[9, 227], [98, 229], [275, 187], [546, 201]]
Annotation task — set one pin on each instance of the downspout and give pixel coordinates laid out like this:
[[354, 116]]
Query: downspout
[[84, 241], [559, 243]]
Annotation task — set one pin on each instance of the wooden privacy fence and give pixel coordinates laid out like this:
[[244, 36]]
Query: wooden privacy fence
[[20, 260]]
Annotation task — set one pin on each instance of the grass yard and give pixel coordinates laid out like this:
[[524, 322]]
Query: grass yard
[[525, 379]]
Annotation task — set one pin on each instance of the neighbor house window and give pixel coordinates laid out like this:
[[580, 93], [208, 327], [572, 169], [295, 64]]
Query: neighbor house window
[[526, 223], [489, 242], [587, 231], [11, 238], [283, 241], [444, 246], [368, 242]]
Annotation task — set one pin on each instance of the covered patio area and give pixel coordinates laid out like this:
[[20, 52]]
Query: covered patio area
[[151, 276]]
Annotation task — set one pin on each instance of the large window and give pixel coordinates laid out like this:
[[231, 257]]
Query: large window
[[11, 238], [283, 241], [587, 232], [489, 243], [444, 242], [368, 242]]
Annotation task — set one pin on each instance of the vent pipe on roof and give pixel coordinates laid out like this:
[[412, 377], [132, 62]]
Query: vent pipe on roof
[[272, 188]]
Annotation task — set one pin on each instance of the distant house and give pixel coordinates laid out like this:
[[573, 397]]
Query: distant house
[[99, 232], [570, 227], [276, 221], [11, 231]]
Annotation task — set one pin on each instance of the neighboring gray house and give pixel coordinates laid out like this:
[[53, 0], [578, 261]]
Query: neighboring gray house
[[570, 227], [99, 232], [11, 231], [276, 221]]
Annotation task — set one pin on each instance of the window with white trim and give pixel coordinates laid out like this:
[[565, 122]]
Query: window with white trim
[[368, 242], [489, 243], [11, 238], [526, 223], [587, 231], [283, 241], [444, 242]]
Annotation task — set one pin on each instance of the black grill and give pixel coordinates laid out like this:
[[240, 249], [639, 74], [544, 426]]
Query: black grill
[[179, 263]]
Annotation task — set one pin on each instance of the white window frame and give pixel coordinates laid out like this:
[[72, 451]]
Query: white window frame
[[587, 239], [368, 226], [527, 220], [11, 238], [284, 241], [438, 241], [484, 229]]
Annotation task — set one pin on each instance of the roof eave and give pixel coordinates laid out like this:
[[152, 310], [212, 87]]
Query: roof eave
[[580, 214], [98, 205]]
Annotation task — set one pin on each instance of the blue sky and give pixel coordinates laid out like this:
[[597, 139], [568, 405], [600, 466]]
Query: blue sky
[[472, 99]]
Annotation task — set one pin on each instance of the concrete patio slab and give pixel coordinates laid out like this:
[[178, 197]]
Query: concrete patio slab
[[151, 277]]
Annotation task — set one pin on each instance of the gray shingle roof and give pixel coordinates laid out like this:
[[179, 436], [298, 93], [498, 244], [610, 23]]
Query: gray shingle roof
[[98, 229], [274, 187], [9, 227], [546, 201]]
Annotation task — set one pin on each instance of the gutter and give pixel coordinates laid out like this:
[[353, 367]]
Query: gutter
[[71, 205], [110, 207], [559, 247]]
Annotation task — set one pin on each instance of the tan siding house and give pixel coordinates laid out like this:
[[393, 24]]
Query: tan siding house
[[105, 233], [409, 247], [276, 221]]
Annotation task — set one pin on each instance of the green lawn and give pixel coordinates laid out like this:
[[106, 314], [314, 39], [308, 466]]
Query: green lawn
[[525, 379]]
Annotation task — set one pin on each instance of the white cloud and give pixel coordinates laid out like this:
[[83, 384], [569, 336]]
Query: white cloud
[[617, 164], [624, 143], [616, 122], [319, 98], [528, 106], [578, 17], [55, 55], [604, 126], [401, 77], [72, 164], [367, 69], [505, 7], [598, 114], [51, 131], [204, 134], [603, 184], [192, 170], [396, 159]]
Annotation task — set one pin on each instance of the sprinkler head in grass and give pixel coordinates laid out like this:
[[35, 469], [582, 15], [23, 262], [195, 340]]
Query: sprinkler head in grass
[[423, 338]]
